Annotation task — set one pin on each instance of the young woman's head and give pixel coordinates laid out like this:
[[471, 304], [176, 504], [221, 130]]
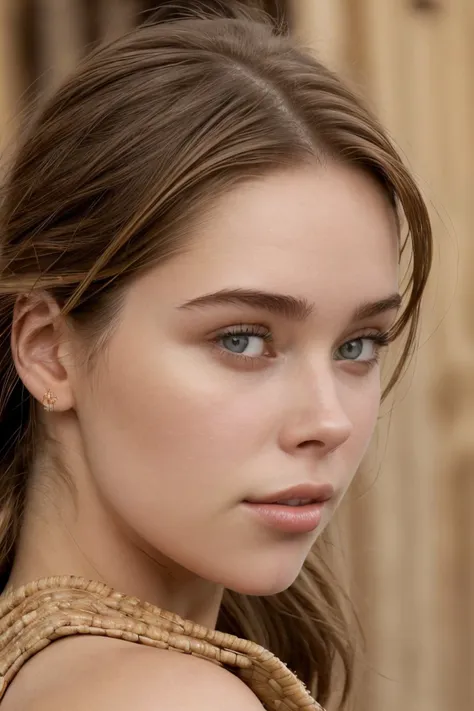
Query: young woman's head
[[200, 250]]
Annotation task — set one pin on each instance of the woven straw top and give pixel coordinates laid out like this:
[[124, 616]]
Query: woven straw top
[[46, 610]]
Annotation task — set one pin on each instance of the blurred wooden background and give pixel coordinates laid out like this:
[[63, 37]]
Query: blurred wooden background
[[406, 530]]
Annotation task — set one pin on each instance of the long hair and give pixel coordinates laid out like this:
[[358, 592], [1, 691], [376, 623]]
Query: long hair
[[146, 133]]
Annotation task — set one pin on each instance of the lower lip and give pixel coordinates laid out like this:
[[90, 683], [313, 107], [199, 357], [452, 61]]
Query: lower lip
[[289, 519]]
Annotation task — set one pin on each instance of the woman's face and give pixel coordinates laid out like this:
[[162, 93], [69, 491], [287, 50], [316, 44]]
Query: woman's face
[[243, 368]]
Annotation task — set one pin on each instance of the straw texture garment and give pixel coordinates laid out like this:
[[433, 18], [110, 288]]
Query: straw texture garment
[[53, 608]]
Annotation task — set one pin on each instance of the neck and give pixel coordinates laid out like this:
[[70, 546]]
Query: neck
[[71, 533]]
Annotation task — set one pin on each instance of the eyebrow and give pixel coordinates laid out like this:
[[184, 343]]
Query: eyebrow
[[290, 307]]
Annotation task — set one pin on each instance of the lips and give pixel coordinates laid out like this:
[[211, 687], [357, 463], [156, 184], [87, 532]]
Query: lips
[[300, 495], [294, 502], [293, 511]]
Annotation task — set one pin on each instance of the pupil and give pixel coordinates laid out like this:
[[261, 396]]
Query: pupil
[[237, 344], [353, 349]]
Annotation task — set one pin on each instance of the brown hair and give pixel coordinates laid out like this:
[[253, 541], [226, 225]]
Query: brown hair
[[146, 133]]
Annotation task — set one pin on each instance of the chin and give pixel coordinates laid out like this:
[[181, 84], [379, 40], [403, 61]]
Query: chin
[[262, 588], [259, 587], [263, 580]]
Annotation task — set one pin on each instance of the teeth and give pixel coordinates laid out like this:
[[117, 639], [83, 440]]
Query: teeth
[[295, 502]]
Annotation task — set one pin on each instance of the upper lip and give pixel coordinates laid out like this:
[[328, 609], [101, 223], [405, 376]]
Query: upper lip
[[317, 493]]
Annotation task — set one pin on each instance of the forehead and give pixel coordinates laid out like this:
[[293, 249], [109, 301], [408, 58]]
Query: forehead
[[326, 233]]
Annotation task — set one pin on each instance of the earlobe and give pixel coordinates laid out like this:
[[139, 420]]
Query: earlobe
[[38, 334]]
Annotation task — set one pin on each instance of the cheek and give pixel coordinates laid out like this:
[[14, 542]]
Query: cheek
[[176, 424]]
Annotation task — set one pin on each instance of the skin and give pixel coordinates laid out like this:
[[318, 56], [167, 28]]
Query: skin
[[173, 429]]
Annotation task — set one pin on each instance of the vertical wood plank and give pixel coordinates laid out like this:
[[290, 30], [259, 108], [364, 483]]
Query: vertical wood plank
[[11, 84], [61, 40], [116, 17], [453, 65], [319, 25]]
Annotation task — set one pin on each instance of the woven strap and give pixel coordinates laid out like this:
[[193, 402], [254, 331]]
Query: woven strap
[[41, 612]]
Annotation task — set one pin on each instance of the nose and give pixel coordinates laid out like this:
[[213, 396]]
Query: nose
[[314, 415]]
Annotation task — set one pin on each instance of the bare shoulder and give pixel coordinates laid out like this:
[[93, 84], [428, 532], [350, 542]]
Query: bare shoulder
[[94, 674]]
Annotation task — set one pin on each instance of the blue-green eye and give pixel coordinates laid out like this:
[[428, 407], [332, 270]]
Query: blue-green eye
[[352, 350], [247, 341], [242, 344], [362, 350]]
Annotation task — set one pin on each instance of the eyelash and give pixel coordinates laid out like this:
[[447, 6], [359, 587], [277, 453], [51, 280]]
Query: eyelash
[[380, 339]]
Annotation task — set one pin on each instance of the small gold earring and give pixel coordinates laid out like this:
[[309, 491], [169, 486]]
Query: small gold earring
[[49, 400]]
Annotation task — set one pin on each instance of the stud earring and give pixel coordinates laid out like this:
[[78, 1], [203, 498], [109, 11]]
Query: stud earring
[[49, 400]]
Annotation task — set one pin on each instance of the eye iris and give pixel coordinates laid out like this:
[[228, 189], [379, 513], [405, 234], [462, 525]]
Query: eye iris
[[236, 344], [352, 349]]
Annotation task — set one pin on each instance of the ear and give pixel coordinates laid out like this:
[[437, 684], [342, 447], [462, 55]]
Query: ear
[[42, 350]]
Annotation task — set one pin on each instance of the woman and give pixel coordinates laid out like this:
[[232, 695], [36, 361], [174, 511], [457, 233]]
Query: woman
[[200, 269]]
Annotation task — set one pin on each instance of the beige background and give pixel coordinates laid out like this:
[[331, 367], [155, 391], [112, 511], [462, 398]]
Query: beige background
[[406, 531]]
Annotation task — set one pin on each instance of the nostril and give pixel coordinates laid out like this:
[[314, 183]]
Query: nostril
[[310, 443]]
